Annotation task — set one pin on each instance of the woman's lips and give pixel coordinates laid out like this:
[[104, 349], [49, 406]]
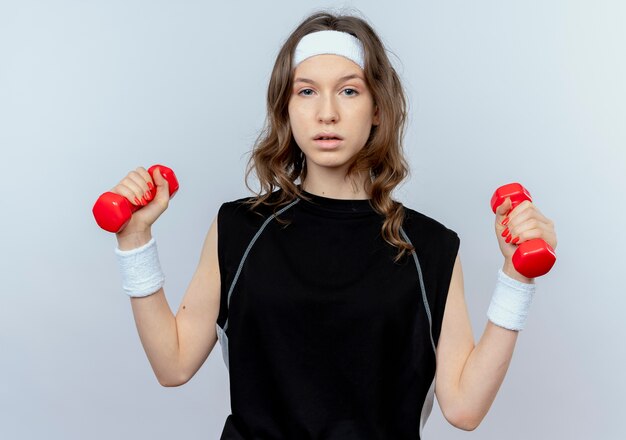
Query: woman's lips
[[328, 144]]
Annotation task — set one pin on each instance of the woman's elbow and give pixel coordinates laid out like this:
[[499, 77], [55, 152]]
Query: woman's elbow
[[169, 384], [466, 425], [464, 419], [172, 381]]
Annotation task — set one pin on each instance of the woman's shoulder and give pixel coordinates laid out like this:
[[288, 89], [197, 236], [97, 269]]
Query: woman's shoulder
[[237, 204], [418, 219], [245, 208], [427, 229]]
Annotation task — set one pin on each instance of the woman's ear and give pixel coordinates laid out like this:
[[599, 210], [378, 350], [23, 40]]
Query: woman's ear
[[376, 116]]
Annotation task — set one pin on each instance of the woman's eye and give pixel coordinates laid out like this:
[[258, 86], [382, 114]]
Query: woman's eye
[[306, 92], [350, 92]]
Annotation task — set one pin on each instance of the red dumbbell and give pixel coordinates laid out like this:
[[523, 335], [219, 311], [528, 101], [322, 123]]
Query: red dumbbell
[[534, 257], [113, 211]]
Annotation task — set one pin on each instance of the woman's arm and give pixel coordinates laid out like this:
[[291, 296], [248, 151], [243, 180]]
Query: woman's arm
[[177, 346], [469, 375]]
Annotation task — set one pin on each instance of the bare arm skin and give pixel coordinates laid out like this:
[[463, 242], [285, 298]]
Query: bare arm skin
[[176, 346], [469, 375]]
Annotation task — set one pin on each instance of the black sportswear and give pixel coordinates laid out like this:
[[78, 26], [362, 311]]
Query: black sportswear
[[324, 335]]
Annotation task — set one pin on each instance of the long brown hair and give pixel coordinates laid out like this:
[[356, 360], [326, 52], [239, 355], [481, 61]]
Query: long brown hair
[[276, 158]]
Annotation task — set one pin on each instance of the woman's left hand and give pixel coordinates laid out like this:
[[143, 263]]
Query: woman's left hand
[[525, 222]]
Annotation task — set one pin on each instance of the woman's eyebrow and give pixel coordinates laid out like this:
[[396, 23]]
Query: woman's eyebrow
[[340, 80]]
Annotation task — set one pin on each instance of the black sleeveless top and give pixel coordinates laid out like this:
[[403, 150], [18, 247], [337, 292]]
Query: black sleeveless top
[[324, 335]]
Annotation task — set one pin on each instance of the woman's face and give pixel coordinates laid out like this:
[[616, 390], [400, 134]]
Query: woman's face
[[330, 99]]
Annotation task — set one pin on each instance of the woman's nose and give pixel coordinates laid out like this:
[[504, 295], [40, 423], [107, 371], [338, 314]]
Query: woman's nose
[[328, 110]]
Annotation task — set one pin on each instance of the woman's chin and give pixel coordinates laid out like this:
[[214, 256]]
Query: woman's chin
[[328, 165]]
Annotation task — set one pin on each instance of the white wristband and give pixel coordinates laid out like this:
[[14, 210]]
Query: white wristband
[[141, 270], [510, 302]]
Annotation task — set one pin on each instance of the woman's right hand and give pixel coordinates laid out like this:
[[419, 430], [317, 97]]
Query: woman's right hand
[[136, 188]]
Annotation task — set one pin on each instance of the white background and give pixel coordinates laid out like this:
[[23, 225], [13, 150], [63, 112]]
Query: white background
[[499, 91]]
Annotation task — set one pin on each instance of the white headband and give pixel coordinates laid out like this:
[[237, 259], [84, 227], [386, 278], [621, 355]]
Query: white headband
[[330, 43]]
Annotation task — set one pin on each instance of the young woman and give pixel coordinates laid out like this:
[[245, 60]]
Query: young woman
[[337, 308]]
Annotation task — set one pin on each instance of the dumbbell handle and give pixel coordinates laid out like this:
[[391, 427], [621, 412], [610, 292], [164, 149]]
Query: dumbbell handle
[[113, 211], [532, 258]]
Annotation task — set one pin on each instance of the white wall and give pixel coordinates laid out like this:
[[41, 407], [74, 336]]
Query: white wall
[[500, 91]]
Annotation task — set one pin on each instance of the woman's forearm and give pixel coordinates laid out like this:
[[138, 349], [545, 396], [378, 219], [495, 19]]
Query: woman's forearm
[[156, 325], [470, 374], [484, 371], [488, 362], [155, 322]]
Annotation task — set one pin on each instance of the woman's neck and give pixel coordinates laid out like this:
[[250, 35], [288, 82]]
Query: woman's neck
[[335, 186]]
